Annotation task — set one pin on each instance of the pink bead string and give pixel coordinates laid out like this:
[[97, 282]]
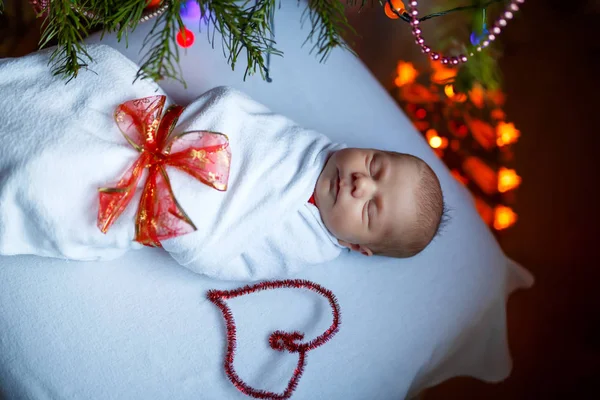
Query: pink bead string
[[497, 27], [40, 5]]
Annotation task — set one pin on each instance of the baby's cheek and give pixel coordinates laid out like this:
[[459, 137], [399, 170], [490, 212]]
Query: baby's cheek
[[341, 226]]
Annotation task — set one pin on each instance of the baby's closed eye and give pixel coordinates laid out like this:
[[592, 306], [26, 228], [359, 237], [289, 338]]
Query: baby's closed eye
[[371, 211], [375, 166]]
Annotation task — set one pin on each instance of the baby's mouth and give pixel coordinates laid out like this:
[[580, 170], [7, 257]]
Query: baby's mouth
[[337, 186]]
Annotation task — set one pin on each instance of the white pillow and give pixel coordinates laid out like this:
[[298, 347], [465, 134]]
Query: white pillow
[[141, 327]]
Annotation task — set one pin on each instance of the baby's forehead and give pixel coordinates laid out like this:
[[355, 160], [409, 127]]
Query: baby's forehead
[[400, 191], [405, 165]]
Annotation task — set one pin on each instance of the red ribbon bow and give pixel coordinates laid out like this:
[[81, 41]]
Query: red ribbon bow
[[203, 155]]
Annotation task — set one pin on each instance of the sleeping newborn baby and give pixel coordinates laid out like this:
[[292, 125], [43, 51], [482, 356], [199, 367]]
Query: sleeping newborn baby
[[289, 196], [379, 202]]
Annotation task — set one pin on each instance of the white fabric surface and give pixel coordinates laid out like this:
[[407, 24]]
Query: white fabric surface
[[49, 197], [140, 327], [274, 169], [299, 240], [59, 136]]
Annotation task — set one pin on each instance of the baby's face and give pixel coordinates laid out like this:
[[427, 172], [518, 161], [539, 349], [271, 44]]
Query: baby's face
[[365, 194]]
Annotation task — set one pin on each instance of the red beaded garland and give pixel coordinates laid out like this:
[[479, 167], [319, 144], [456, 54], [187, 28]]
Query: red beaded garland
[[278, 340], [500, 23]]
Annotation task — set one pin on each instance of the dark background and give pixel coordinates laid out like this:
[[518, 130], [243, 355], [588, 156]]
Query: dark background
[[551, 68]]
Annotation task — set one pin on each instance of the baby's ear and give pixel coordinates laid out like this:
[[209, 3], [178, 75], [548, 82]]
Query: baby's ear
[[365, 250], [357, 247]]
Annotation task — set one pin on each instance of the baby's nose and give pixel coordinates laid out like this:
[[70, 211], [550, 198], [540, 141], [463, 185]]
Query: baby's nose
[[363, 185]]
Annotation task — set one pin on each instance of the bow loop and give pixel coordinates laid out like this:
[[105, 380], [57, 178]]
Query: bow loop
[[139, 121], [204, 155]]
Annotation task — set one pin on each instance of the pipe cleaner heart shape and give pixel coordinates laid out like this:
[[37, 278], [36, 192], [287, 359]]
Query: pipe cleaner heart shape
[[278, 340]]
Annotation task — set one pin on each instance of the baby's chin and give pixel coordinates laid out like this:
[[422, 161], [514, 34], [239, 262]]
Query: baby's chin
[[319, 192]]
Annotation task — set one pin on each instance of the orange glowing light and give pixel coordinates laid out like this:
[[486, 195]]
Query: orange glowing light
[[397, 5], [406, 73], [418, 94], [504, 217], [476, 95], [481, 174], [153, 3], [483, 133], [484, 210], [497, 97], [442, 75], [458, 97], [435, 142], [430, 133], [498, 114], [507, 179], [506, 133], [455, 145]]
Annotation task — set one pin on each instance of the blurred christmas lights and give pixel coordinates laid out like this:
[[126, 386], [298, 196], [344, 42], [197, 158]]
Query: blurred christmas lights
[[468, 132]]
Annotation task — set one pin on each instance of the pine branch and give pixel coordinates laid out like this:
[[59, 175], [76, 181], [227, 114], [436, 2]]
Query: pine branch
[[243, 27], [1, 6], [119, 16], [161, 61], [68, 27], [329, 24]]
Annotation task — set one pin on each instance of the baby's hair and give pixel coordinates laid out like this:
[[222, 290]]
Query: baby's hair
[[431, 207], [432, 216], [444, 220]]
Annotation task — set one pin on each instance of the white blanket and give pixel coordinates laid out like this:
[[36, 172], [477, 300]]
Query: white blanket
[[61, 144], [274, 169], [65, 144]]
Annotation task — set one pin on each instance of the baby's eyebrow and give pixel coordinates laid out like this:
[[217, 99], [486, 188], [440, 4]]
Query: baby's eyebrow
[[383, 165]]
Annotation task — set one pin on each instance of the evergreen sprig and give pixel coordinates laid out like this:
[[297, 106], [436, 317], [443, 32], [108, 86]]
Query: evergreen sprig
[[68, 27], [120, 16], [243, 27], [162, 59], [329, 25]]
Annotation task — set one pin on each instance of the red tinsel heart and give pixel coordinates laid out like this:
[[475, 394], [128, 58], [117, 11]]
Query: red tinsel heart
[[278, 340]]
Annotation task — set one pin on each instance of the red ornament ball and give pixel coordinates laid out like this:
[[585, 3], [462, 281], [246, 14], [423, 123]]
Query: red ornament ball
[[153, 3], [185, 38]]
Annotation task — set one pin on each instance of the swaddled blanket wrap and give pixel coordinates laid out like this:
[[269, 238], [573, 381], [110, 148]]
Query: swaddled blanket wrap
[[61, 143]]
